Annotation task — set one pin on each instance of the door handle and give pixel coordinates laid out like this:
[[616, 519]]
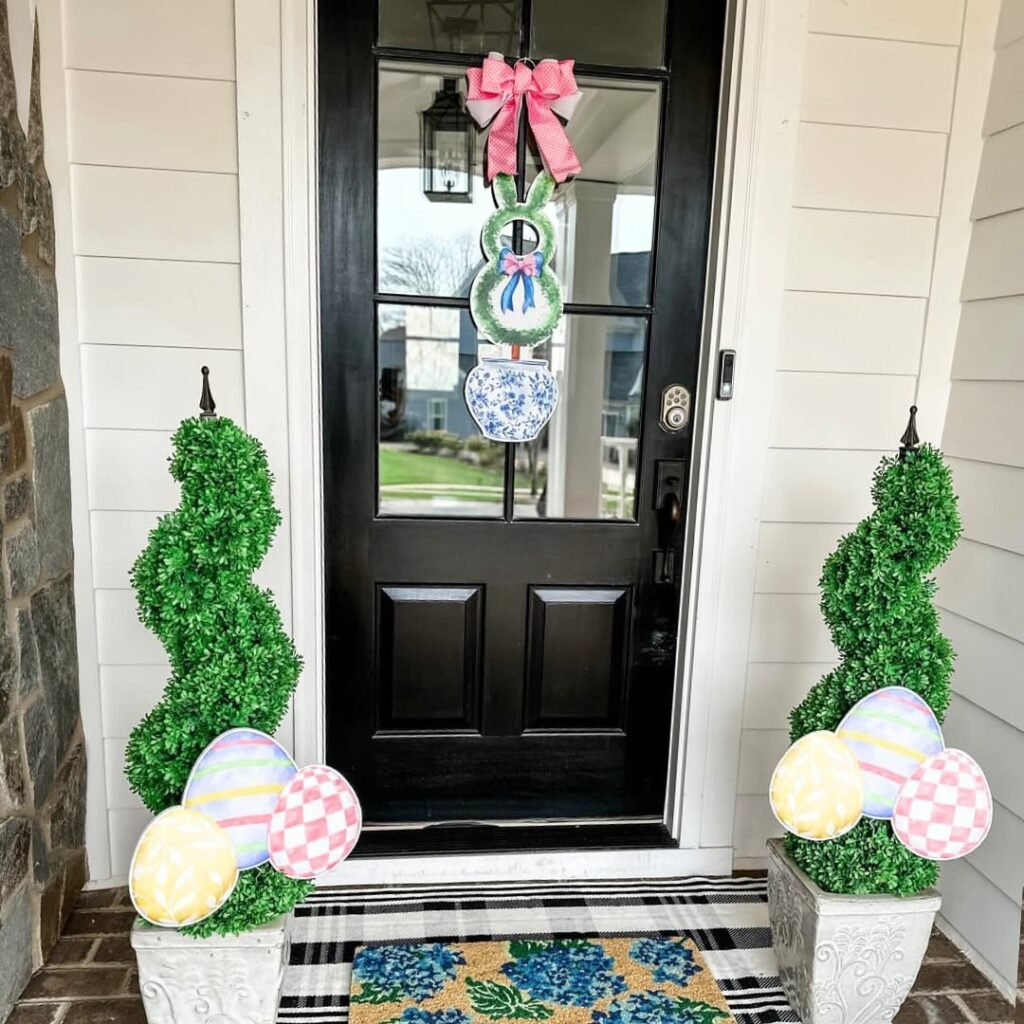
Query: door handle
[[668, 495]]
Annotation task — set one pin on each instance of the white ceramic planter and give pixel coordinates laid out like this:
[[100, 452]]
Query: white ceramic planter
[[232, 979], [844, 959]]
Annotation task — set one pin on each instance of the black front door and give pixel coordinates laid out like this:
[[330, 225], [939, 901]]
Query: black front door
[[502, 618]]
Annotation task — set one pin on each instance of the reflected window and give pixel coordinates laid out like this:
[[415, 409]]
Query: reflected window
[[424, 247], [604, 219], [601, 31], [431, 458], [451, 26], [583, 464], [438, 413]]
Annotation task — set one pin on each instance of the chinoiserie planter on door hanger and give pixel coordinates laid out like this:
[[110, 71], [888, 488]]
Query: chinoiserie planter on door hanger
[[516, 298], [239, 830], [870, 795]]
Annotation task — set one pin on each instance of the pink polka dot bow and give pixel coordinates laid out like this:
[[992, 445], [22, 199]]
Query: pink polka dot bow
[[495, 96]]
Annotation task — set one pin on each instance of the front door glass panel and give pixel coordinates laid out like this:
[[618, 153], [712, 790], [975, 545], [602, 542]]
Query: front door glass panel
[[451, 26], [601, 31], [583, 465], [431, 458]]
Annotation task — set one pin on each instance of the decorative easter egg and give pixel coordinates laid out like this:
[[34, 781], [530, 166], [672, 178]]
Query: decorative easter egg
[[315, 824], [944, 810], [236, 780], [891, 732], [816, 790], [183, 868]]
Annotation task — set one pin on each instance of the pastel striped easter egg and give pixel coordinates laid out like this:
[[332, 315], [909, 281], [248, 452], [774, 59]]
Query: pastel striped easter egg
[[890, 732], [236, 780], [816, 790], [183, 869]]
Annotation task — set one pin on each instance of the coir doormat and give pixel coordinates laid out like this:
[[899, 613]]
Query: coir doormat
[[562, 981]]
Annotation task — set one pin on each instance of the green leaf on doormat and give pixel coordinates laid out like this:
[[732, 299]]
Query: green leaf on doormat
[[371, 992], [520, 949], [694, 1011], [505, 1002]]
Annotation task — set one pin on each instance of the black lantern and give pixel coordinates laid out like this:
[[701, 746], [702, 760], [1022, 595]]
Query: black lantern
[[447, 134]]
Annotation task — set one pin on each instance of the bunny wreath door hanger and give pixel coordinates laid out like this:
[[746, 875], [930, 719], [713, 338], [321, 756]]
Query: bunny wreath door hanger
[[516, 298]]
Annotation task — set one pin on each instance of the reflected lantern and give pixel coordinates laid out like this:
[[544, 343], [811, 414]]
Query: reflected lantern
[[447, 134]]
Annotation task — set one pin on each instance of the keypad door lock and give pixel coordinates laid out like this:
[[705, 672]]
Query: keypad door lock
[[675, 408]]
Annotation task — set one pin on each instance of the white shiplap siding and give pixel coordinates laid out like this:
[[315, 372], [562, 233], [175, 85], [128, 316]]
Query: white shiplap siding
[[152, 143], [982, 586], [866, 200]]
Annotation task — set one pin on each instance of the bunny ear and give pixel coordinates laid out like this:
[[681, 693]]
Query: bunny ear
[[540, 191], [505, 190]]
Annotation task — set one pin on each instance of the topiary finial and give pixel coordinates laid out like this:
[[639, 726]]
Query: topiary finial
[[910, 440], [206, 402]]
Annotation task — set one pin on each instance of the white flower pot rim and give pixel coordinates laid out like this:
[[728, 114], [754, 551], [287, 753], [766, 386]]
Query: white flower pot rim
[[151, 936], [508, 360], [847, 904]]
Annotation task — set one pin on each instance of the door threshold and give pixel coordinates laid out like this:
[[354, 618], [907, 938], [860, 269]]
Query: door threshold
[[476, 838]]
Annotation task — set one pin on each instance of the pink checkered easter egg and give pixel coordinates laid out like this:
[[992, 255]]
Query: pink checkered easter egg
[[315, 823], [944, 809]]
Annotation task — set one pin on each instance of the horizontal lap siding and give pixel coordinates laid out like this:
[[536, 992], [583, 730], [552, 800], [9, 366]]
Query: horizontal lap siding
[[981, 587], [866, 197], [152, 140]]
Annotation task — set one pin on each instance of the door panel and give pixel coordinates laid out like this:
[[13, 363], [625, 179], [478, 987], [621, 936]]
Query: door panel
[[577, 657], [502, 619], [428, 646]]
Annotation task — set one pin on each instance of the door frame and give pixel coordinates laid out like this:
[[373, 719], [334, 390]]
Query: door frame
[[278, 160]]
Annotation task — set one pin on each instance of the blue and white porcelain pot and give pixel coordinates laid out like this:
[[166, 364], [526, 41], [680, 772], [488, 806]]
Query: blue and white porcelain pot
[[511, 399]]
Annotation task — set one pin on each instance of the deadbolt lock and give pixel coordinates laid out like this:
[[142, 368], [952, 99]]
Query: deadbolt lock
[[675, 408]]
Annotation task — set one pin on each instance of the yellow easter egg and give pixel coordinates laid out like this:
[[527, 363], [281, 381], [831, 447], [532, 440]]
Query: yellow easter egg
[[183, 869], [816, 790]]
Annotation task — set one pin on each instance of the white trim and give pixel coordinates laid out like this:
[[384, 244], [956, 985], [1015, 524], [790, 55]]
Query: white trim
[[953, 237], [767, 83], [302, 333], [58, 168], [527, 867], [261, 248]]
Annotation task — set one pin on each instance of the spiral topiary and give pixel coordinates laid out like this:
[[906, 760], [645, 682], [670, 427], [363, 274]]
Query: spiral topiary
[[877, 600], [232, 663]]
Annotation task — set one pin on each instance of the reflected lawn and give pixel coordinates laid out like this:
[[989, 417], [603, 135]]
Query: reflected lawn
[[402, 469]]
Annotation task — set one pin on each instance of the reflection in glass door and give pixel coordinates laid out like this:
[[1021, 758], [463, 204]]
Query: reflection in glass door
[[584, 464]]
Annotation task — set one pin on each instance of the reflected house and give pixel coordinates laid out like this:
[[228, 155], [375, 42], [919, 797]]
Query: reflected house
[[427, 353], [424, 359], [624, 369]]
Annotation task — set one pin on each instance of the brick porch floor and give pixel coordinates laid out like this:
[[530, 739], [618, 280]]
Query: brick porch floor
[[90, 977]]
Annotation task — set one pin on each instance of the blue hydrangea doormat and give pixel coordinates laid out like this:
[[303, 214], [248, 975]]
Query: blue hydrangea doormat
[[725, 918], [647, 980]]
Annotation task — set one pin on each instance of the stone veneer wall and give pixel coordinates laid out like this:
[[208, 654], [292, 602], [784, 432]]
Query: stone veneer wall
[[42, 755]]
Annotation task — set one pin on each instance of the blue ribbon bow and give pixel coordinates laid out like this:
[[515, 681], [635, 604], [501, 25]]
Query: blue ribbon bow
[[519, 268]]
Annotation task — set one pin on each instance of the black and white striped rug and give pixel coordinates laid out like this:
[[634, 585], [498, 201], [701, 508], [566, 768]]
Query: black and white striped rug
[[726, 917]]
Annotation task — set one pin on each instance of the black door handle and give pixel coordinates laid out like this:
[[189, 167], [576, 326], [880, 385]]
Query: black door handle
[[668, 491]]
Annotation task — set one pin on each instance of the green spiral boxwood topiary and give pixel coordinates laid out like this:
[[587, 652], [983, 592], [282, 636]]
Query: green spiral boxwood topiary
[[877, 600], [232, 663]]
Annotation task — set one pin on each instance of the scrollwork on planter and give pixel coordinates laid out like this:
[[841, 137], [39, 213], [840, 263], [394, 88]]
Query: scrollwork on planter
[[841, 961], [862, 984], [222, 986]]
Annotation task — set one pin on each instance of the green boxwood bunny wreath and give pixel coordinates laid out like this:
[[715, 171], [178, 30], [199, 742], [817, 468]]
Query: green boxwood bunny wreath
[[517, 300]]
